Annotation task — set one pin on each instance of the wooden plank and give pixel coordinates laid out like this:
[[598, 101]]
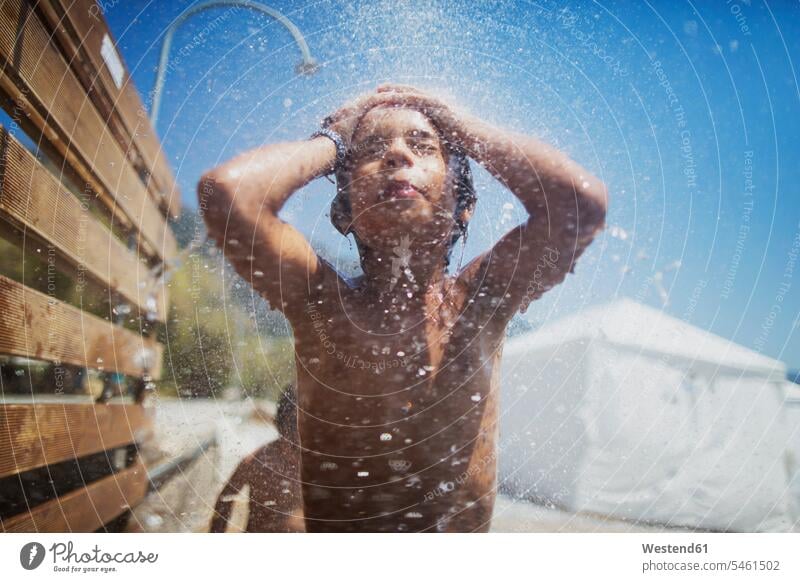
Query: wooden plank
[[84, 37], [35, 435], [36, 77], [85, 509], [33, 201], [34, 325]]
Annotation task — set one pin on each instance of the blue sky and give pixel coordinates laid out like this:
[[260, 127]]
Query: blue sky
[[689, 112]]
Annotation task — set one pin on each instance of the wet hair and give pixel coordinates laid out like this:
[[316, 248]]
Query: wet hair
[[458, 168]]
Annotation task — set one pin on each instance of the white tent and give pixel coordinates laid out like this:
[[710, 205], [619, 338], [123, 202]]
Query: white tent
[[625, 411], [793, 416]]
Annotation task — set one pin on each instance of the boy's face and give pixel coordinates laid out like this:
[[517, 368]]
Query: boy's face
[[398, 179]]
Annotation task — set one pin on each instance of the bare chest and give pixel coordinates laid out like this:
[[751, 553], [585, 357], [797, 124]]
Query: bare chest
[[380, 351], [392, 405], [369, 380]]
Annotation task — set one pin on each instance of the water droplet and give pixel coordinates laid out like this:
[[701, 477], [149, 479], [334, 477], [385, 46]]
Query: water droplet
[[446, 487], [400, 465], [618, 232]]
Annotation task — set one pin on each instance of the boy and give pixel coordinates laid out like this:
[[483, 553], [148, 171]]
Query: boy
[[398, 369]]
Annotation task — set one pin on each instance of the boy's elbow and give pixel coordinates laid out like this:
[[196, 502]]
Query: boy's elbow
[[214, 199], [211, 188]]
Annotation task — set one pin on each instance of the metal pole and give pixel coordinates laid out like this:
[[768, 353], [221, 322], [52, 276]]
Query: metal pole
[[306, 67]]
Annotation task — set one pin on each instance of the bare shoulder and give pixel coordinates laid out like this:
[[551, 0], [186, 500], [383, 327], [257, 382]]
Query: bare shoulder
[[325, 293]]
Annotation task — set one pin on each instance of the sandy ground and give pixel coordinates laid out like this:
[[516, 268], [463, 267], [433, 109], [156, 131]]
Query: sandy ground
[[187, 501]]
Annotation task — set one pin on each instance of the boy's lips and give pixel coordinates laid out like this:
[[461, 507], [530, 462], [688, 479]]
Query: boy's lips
[[401, 189]]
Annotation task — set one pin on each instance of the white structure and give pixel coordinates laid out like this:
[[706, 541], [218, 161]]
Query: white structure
[[793, 416], [625, 411]]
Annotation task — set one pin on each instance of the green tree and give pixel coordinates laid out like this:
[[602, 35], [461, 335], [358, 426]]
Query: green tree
[[197, 358], [219, 333]]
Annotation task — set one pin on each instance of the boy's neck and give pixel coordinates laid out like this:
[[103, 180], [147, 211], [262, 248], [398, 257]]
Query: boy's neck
[[409, 268]]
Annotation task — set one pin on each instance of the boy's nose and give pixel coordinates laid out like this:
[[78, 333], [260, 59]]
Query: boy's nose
[[398, 154]]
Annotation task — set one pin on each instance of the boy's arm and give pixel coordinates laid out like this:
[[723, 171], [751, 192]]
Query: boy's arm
[[240, 201], [566, 208]]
